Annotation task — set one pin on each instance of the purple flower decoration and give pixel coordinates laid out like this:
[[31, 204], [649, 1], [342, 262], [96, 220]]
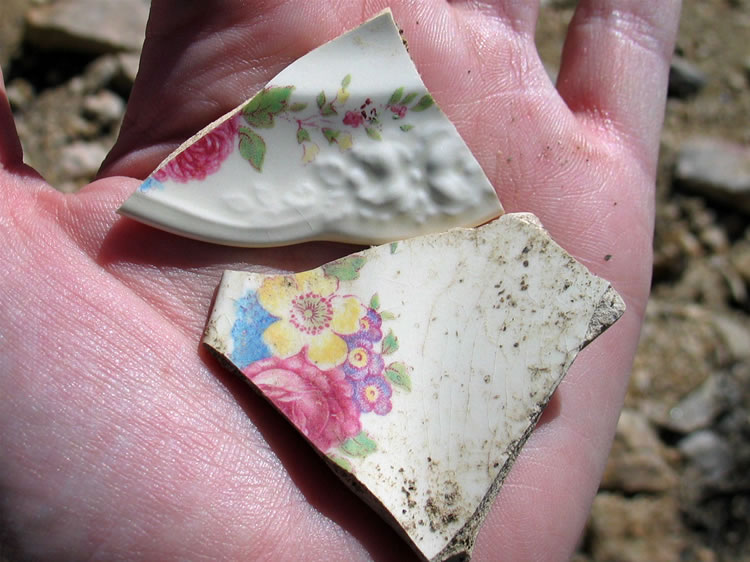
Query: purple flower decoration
[[372, 394], [362, 360], [369, 328]]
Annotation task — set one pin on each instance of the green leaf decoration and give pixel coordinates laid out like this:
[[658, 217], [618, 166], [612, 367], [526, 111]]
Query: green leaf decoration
[[346, 81], [302, 135], [297, 107], [375, 301], [345, 269], [328, 109], [373, 133], [398, 374], [409, 98], [359, 446], [385, 315], [331, 135], [424, 102], [394, 246], [390, 343], [321, 99], [260, 119], [252, 147], [406, 128], [396, 95], [260, 110], [342, 462]]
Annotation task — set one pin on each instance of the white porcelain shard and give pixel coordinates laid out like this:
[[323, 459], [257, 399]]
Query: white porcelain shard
[[345, 144], [419, 368]]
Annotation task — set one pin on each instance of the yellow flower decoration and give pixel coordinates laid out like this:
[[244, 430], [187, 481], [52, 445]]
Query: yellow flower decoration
[[311, 315], [309, 152], [345, 141]]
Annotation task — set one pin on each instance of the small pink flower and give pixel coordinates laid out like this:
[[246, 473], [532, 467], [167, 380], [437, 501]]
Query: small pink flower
[[202, 158], [353, 119], [399, 110], [318, 402]]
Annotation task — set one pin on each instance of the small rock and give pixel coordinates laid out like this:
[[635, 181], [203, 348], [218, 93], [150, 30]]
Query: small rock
[[740, 259], [104, 107], [715, 239], [20, 94], [701, 407], [709, 453], [703, 280], [736, 81], [77, 127], [11, 29], [635, 529], [100, 73], [127, 71], [716, 169], [636, 462], [679, 349], [90, 26], [735, 334], [685, 79], [82, 159]]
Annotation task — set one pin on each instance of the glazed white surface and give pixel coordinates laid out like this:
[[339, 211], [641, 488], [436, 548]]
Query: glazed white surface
[[358, 189], [488, 321]]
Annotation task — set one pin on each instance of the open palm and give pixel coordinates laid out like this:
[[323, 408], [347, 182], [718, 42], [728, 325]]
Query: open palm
[[121, 439]]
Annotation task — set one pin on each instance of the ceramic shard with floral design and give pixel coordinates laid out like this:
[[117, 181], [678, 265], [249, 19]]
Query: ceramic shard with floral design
[[418, 368], [345, 144]]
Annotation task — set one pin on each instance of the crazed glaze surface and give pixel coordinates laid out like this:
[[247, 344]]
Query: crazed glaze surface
[[345, 144], [418, 367]]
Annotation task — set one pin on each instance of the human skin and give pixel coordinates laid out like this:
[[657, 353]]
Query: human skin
[[121, 439]]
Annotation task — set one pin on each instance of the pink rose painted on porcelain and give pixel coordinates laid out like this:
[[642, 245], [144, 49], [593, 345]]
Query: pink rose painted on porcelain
[[318, 402], [202, 158]]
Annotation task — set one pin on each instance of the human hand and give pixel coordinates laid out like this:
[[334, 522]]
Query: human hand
[[121, 439]]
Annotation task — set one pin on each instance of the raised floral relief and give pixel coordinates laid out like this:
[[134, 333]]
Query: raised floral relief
[[320, 355], [333, 120]]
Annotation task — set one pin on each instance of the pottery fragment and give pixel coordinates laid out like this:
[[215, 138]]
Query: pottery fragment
[[418, 368], [345, 144]]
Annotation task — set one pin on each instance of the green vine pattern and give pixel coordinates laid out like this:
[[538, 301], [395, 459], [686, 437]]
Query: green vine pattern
[[332, 119]]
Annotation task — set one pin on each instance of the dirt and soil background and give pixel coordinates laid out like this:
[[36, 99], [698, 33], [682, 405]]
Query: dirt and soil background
[[677, 485]]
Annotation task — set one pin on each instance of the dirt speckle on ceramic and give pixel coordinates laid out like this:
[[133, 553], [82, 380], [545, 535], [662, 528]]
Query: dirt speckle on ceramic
[[345, 144], [418, 368]]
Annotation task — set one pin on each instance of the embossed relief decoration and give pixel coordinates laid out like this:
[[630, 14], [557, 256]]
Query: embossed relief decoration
[[356, 150]]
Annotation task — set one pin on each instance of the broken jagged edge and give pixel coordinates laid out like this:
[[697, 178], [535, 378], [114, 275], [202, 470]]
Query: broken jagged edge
[[418, 368], [346, 144]]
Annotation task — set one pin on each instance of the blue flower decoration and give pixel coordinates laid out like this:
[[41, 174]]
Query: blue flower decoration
[[247, 332], [151, 183]]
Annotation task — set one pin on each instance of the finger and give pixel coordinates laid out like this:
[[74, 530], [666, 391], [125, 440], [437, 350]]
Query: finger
[[615, 67], [11, 154], [518, 16], [12, 169]]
